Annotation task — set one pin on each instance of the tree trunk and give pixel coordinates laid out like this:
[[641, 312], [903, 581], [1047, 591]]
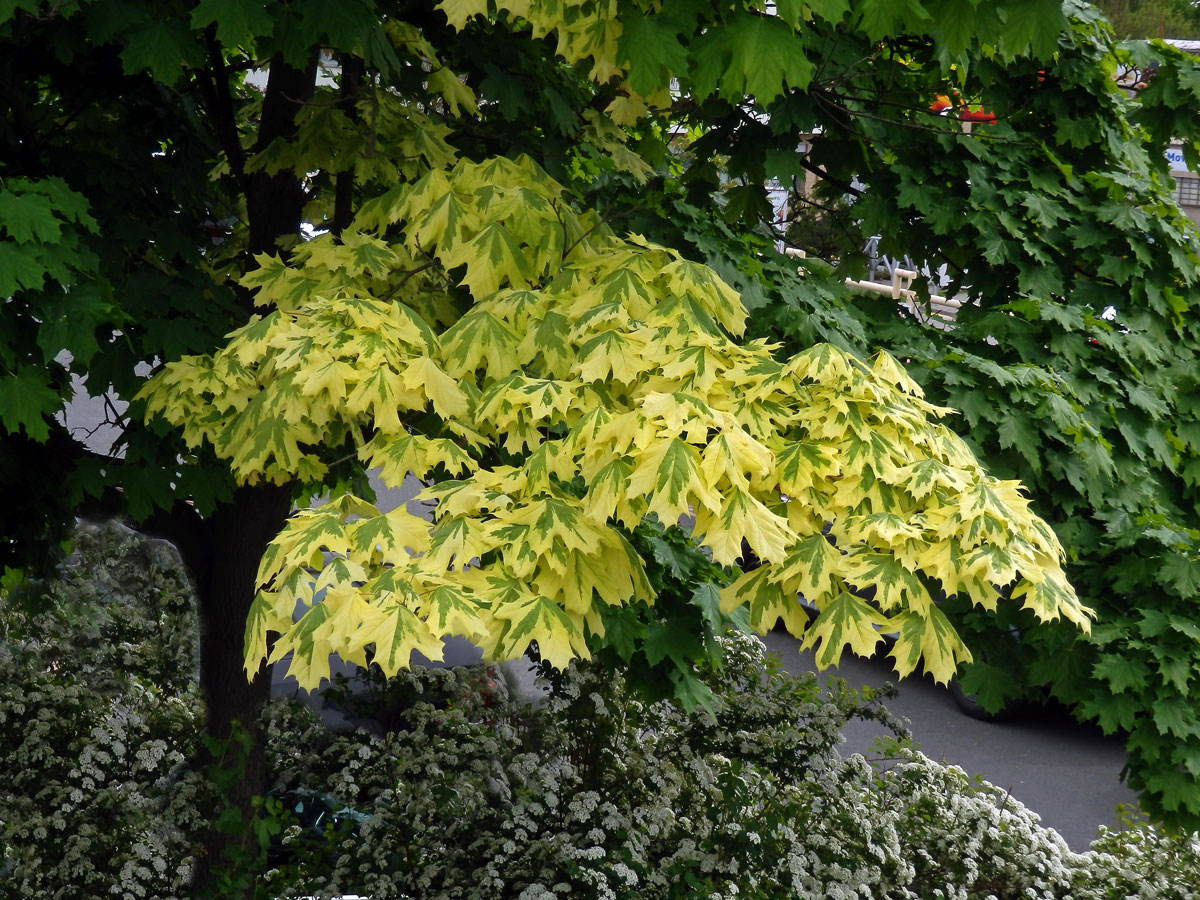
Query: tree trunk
[[238, 534]]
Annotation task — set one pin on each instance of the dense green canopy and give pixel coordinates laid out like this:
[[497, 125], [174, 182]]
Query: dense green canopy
[[464, 312]]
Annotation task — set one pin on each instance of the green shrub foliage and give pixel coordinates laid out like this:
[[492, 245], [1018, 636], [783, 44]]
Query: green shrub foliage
[[468, 792], [601, 794]]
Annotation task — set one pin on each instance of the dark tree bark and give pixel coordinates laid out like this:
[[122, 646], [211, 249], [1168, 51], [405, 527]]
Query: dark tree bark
[[224, 551], [224, 561]]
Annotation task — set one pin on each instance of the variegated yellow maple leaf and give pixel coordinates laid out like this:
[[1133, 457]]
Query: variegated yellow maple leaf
[[592, 380]]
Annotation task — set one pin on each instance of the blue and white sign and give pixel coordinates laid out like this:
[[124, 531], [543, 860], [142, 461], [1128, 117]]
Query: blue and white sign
[[1175, 158]]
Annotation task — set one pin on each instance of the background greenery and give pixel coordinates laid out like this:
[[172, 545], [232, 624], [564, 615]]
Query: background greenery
[[1072, 365], [136, 191]]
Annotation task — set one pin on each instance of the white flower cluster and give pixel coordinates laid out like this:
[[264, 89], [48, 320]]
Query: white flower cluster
[[656, 803], [465, 794], [97, 715]]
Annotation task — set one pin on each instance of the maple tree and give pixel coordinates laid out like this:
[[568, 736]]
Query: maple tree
[[592, 382], [1073, 360], [463, 317]]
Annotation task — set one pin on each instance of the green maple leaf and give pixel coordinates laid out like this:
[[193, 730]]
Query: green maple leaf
[[166, 47], [1016, 432], [676, 560], [624, 629], [1040, 281], [1180, 572], [881, 18], [25, 400], [746, 202], [649, 47], [28, 217], [1185, 626], [1031, 26], [1113, 712], [20, 267], [766, 57], [706, 599], [70, 323], [339, 23], [1174, 789], [1042, 209], [690, 692], [796, 12], [784, 165], [671, 640], [955, 24], [1176, 671], [1121, 672], [989, 685], [710, 58], [1174, 715], [236, 20]]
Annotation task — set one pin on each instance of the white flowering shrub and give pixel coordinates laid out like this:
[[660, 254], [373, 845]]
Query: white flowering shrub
[[98, 712], [1140, 863], [600, 794], [462, 792]]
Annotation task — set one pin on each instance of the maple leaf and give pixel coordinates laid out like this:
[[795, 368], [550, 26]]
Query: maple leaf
[[846, 620], [493, 257], [458, 11], [458, 96], [1033, 25], [1176, 716], [650, 50], [20, 267], [392, 538], [558, 637], [26, 402], [309, 650], [477, 337], [743, 517], [164, 46], [237, 21], [1121, 673], [448, 609], [397, 635], [29, 217], [930, 637]]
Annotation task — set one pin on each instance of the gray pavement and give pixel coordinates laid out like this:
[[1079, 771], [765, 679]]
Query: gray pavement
[[1066, 772]]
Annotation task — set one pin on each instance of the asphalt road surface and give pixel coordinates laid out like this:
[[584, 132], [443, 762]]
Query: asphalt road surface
[[1066, 772]]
